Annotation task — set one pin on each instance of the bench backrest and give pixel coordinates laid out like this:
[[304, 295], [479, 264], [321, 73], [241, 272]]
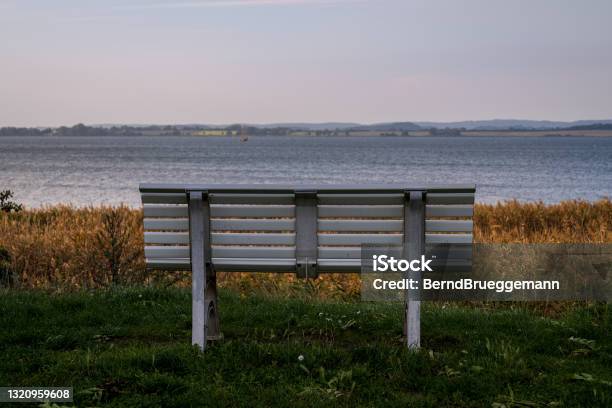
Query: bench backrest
[[289, 228]]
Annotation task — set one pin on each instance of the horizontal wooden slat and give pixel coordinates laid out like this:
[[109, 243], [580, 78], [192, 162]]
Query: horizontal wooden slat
[[462, 210], [448, 238], [252, 211], [441, 254], [450, 198], [448, 225], [219, 238], [360, 225], [252, 224], [169, 264], [254, 265], [166, 238], [163, 198], [167, 252], [228, 264], [340, 252], [360, 239], [166, 211], [339, 265], [269, 252], [361, 211], [176, 224], [231, 211], [252, 252], [290, 188], [437, 265], [324, 225], [235, 198], [354, 266], [286, 265], [329, 211], [361, 199]]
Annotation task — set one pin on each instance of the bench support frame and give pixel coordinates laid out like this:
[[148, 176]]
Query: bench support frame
[[306, 238], [414, 247], [166, 233], [204, 314], [205, 317]]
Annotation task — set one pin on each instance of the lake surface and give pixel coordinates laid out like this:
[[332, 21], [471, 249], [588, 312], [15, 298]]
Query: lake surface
[[87, 170]]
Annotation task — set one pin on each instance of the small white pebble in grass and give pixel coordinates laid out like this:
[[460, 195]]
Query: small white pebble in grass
[[139, 296], [300, 358], [359, 312]]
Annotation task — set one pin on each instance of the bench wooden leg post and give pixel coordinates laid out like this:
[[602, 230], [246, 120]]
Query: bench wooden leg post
[[413, 324], [213, 332], [198, 235], [414, 236], [198, 309]]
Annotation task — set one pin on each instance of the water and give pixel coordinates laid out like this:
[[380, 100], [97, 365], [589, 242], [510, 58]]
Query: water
[[86, 170]]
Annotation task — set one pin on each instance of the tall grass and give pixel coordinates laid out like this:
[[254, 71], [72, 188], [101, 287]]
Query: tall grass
[[64, 247], [567, 222]]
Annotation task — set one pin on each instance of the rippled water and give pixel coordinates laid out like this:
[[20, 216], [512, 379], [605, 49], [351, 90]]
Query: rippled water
[[86, 170]]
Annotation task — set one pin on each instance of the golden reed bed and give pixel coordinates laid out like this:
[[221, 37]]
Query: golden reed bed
[[63, 247]]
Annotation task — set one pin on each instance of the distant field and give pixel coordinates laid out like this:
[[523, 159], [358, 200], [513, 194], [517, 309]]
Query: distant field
[[484, 133], [599, 133], [501, 133]]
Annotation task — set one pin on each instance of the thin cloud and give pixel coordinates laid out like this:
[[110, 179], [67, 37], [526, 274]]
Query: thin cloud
[[207, 4], [87, 19], [237, 3]]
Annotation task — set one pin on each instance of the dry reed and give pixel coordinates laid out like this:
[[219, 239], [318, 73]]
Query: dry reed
[[64, 247]]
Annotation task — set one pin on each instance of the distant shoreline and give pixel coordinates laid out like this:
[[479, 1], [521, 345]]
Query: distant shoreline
[[407, 134], [403, 129]]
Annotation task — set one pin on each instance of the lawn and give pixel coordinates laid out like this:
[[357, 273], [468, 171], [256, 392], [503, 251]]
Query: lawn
[[130, 347]]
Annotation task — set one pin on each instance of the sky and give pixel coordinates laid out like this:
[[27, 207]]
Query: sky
[[263, 61]]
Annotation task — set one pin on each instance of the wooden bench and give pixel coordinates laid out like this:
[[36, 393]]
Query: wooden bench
[[306, 230]]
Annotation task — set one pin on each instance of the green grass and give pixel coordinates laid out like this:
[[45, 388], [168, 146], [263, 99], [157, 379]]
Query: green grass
[[130, 347]]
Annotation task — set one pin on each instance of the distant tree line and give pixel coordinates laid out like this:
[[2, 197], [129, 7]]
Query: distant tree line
[[177, 130], [84, 130], [446, 132], [22, 131], [160, 130], [596, 126], [254, 130]]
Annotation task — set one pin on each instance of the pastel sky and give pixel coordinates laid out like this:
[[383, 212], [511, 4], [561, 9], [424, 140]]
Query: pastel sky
[[259, 61]]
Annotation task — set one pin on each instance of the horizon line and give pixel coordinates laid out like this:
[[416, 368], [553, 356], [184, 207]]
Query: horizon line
[[293, 123], [267, 123]]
